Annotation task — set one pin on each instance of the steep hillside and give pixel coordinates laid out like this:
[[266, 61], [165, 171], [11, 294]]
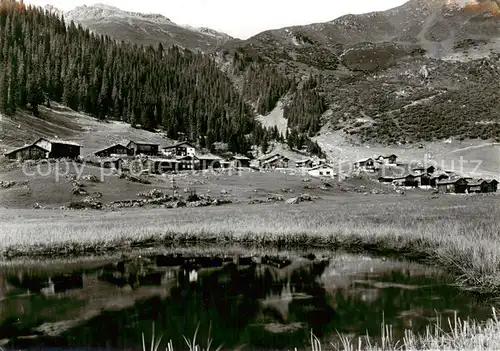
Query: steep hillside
[[143, 29], [426, 70]]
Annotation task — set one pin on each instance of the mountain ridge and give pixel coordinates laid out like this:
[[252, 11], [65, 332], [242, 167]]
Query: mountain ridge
[[142, 28]]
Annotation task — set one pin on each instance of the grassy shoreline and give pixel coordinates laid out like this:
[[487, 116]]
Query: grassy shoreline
[[458, 234]]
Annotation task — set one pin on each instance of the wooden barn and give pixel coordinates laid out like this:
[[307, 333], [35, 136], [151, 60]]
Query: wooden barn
[[239, 161], [27, 152], [117, 149], [457, 186], [143, 148], [59, 148]]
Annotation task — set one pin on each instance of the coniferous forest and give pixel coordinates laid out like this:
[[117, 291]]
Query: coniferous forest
[[43, 59]]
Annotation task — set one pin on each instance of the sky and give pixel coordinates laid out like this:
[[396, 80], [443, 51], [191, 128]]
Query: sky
[[237, 18]]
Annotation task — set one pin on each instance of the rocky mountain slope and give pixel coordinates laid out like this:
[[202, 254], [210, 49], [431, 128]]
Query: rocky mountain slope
[[145, 29], [427, 70]]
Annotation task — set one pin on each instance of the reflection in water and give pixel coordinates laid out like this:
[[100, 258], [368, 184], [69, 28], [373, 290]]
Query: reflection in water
[[257, 302]]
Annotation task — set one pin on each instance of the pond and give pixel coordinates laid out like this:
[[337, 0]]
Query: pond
[[247, 302]]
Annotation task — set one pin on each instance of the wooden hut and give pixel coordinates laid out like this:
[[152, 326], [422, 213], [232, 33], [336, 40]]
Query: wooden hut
[[457, 186], [117, 149], [27, 152]]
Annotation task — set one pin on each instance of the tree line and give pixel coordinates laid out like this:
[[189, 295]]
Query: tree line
[[43, 59]]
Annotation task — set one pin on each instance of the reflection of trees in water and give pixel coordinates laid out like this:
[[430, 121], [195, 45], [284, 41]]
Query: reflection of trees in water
[[228, 298]]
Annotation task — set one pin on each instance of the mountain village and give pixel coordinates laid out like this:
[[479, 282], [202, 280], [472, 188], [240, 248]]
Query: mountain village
[[184, 157]]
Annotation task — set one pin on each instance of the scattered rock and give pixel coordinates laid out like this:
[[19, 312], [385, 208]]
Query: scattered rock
[[91, 178], [293, 201], [87, 203], [37, 206], [224, 191], [97, 195], [275, 199], [152, 194], [219, 202], [305, 197], [299, 199]]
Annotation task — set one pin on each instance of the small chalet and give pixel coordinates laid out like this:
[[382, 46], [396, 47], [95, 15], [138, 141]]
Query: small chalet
[[274, 161], [323, 170], [143, 148], [240, 162], [457, 186], [179, 150], [59, 148], [117, 149], [304, 163], [388, 160], [27, 152], [367, 164]]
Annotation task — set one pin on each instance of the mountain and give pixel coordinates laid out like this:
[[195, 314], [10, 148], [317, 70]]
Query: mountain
[[144, 29], [426, 70]]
